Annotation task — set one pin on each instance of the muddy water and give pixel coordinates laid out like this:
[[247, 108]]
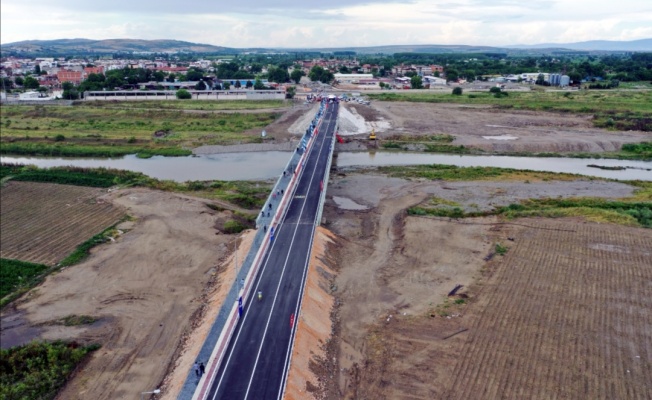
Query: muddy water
[[269, 164], [641, 170]]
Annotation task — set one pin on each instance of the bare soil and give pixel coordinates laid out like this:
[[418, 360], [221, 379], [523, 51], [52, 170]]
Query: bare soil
[[530, 131], [401, 337]]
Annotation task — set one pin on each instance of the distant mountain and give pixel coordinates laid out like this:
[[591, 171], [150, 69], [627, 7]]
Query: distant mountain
[[67, 47], [593, 45], [416, 48], [76, 46]]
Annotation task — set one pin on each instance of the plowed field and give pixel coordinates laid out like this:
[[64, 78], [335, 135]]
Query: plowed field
[[568, 315], [43, 223]]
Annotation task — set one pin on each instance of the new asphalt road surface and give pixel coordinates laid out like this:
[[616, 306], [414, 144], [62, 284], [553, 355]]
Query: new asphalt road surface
[[258, 355]]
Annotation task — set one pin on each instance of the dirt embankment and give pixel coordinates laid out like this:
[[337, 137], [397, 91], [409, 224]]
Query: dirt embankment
[[312, 372]]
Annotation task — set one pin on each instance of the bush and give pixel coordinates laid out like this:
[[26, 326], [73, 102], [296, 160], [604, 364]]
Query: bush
[[183, 94], [457, 91], [59, 138], [495, 89]]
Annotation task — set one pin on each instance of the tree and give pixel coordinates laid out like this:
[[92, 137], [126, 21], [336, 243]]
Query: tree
[[452, 75], [416, 82], [194, 75], [159, 76], [7, 84], [238, 85], [69, 91], [259, 85], [290, 92], [279, 75], [315, 73], [30, 83], [344, 70], [227, 70], [183, 94], [296, 75], [37, 69], [172, 77], [457, 91], [249, 84], [19, 81], [227, 85], [200, 85]]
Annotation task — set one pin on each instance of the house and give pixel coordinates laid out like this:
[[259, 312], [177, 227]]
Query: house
[[64, 75]]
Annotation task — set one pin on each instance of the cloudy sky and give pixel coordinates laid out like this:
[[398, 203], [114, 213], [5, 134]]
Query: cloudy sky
[[330, 23]]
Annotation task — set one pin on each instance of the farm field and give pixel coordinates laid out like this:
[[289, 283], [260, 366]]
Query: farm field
[[566, 315], [43, 223]]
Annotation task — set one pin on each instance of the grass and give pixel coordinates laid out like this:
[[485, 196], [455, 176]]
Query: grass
[[629, 212], [110, 130], [18, 276], [38, 370], [621, 110], [249, 195], [455, 173], [222, 105], [83, 250]]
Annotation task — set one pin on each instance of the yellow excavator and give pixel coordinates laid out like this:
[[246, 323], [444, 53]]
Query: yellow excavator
[[372, 135]]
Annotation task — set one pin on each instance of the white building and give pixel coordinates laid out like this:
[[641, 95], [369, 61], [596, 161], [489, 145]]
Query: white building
[[434, 80], [351, 78]]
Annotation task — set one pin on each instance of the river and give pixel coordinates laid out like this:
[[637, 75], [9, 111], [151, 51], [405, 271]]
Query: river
[[269, 164]]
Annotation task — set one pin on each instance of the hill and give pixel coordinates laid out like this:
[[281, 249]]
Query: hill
[[86, 46], [593, 45]]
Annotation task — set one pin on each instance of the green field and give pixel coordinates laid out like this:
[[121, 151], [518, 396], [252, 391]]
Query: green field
[[621, 110], [116, 129], [15, 275], [38, 370], [221, 105]]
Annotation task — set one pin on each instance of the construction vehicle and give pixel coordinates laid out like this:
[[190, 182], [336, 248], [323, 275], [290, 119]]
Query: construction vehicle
[[372, 135]]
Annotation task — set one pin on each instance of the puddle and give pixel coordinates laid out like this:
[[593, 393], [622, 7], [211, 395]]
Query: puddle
[[347, 204], [16, 330], [501, 137]]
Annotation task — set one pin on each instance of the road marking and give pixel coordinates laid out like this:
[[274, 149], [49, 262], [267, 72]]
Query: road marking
[[262, 272], [278, 287]]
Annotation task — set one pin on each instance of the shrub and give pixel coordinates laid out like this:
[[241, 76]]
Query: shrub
[[495, 89], [457, 91], [59, 138], [183, 94]]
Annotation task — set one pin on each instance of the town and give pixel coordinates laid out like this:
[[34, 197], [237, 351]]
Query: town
[[48, 78]]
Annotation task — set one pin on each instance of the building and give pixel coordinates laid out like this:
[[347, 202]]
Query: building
[[352, 78], [64, 75]]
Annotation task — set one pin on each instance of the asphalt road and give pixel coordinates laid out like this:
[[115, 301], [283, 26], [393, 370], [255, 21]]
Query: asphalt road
[[257, 358]]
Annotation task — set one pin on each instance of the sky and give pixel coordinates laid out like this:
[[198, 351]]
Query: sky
[[329, 23]]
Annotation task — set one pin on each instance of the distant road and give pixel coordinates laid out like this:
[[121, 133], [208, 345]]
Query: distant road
[[258, 356]]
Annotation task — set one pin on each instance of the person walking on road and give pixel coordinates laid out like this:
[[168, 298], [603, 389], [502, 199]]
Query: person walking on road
[[202, 369], [196, 366]]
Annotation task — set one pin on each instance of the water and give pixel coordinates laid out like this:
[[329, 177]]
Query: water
[[269, 164], [641, 169], [225, 167]]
